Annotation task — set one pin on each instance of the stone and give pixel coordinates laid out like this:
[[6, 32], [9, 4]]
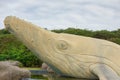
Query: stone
[[67, 54], [47, 68], [13, 63], [9, 71]]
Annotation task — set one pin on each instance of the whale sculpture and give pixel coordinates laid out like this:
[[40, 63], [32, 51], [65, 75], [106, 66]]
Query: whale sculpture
[[67, 54]]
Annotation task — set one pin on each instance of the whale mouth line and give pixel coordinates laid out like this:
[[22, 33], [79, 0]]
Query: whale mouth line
[[9, 28]]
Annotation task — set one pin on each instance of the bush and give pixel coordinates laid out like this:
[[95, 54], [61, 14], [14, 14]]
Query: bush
[[4, 31], [22, 54], [13, 49], [104, 34]]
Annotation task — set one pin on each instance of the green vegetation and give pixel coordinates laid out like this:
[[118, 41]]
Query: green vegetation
[[13, 49], [39, 77]]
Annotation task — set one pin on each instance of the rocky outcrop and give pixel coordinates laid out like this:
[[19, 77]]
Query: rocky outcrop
[[9, 71]]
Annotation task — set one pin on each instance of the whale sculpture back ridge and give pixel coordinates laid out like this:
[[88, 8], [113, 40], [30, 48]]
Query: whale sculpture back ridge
[[67, 54]]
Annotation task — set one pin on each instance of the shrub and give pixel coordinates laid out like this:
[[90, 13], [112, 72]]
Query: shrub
[[13, 49]]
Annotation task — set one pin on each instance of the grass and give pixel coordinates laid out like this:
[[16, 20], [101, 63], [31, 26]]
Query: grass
[[39, 77], [29, 68]]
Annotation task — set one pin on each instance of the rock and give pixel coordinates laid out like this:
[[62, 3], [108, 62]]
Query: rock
[[10, 72], [14, 63], [46, 67]]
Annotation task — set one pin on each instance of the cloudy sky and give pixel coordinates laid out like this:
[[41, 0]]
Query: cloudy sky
[[60, 14]]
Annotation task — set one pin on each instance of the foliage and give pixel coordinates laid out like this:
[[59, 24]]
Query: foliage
[[104, 34], [75, 31], [4, 31], [13, 49]]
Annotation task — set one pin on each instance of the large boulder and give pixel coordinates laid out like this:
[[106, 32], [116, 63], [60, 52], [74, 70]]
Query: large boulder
[[8, 71]]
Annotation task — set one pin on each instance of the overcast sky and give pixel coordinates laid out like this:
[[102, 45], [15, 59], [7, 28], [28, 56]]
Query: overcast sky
[[60, 14]]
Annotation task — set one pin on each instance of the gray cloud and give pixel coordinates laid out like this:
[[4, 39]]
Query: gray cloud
[[54, 14]]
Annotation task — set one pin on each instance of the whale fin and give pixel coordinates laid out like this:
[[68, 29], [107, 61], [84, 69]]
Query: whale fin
[[104, 72]]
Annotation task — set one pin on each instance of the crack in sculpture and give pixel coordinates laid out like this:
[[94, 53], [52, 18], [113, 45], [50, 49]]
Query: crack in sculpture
[[67, 54]]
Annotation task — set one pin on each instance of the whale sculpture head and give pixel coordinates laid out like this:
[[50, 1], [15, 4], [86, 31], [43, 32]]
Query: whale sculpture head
[[42, 42], [50, 47]]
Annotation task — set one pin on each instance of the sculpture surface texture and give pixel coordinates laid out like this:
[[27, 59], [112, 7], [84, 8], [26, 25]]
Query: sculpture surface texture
[[67, 54], [9, 71]]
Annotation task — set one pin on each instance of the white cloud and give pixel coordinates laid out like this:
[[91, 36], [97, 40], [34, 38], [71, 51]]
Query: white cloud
[[52, 14]]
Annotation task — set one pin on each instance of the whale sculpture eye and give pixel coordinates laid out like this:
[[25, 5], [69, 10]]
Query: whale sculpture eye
[[62, 45]]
